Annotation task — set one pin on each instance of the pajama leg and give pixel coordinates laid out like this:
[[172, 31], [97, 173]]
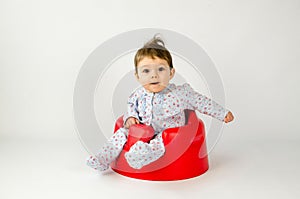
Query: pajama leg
[[109, 152], [141, 153]]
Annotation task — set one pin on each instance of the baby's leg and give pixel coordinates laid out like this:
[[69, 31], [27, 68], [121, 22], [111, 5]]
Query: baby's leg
[[141, 153], [109, 152]]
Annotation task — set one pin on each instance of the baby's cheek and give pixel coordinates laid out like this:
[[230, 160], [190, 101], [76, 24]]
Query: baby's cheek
[[143, 80]]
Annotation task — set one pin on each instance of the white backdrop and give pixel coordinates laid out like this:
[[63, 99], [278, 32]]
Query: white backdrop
[[255, 46]]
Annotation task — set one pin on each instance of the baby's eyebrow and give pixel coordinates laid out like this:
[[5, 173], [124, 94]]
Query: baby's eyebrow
[[144, 66], [162, 65], [147, 66], [151, 65], [140, 68]]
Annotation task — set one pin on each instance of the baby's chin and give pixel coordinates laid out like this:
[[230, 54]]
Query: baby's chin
[[154, 88]]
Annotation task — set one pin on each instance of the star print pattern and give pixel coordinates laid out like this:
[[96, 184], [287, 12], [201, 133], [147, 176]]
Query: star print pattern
[[166, 109], [109, 152], [141, 153], [161, 111]]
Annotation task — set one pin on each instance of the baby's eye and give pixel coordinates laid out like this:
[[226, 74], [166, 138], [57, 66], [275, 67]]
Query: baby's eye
[[145, 71], [161, 69]]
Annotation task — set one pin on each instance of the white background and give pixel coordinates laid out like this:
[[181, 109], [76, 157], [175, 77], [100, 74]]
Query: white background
[[255, 46]]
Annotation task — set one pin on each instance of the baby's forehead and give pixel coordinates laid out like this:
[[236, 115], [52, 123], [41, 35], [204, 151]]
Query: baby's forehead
[[149, 61], [153, 65]]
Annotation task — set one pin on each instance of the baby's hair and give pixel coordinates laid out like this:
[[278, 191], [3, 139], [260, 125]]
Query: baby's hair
[[153, 48]]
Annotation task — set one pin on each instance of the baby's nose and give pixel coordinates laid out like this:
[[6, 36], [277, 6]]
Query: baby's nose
[[154, 74]]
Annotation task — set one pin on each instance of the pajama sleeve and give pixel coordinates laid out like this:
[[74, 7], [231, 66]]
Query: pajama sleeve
[[131, 107], [203, 104]]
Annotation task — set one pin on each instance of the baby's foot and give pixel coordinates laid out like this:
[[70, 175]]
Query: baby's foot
[[94, 163], [142, 154], [133, 160]]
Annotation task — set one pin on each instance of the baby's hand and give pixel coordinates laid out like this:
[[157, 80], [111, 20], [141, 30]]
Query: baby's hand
[[229, 117], [131, 121]]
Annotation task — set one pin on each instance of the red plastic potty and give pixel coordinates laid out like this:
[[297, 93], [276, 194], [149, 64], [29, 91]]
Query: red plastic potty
[[185, 156]]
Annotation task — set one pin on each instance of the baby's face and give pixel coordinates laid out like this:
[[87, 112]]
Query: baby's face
[[154, 74]]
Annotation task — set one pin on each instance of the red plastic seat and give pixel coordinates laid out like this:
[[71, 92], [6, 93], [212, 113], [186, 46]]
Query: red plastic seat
[[185, 156]]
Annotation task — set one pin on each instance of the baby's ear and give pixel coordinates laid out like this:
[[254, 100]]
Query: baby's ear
[[172, 73]]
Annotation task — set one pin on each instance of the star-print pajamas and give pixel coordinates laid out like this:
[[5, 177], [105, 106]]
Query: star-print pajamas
[[160, 110]]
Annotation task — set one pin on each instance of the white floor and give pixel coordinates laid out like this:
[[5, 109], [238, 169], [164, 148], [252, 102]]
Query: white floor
[[243, 168]]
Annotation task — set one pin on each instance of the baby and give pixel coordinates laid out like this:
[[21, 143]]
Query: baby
[[158, 104]]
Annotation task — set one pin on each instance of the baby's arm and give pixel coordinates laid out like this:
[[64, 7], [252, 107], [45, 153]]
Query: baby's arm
[[131, 116], [206, 106]]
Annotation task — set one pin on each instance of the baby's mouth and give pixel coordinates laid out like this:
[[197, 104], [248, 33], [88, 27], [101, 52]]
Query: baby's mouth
[[154, 83]]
